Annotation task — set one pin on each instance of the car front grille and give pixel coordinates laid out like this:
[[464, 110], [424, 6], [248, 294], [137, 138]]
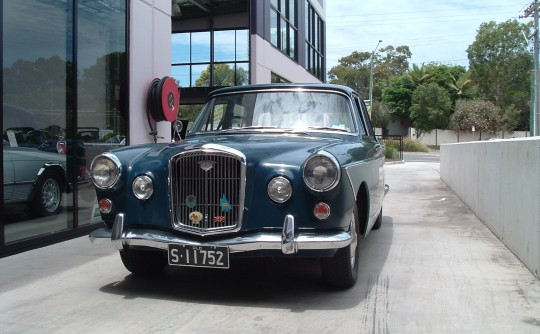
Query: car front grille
[[207, 191]]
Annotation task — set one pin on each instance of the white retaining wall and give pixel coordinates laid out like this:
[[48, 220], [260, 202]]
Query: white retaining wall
[[500, 182], [439, 137]]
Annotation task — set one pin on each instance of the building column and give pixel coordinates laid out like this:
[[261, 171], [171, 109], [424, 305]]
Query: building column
[[149, 58]]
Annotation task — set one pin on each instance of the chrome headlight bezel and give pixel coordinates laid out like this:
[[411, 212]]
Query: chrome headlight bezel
[[105, 170], [321, 172], [143, 187], [279, 189]]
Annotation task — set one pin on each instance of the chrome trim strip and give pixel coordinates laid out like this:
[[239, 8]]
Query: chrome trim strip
[[245, 243]]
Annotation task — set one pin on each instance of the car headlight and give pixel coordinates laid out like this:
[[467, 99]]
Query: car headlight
[[321, 172], [105, 170], [143, 188], [279, 189]]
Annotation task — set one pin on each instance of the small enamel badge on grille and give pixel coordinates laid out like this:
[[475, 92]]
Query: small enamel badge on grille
[[191, 201], [195, 217], [206, 165], [224, 204], [219, 219]]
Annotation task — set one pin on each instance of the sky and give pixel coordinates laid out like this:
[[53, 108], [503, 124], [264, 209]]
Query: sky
[[435, 30]]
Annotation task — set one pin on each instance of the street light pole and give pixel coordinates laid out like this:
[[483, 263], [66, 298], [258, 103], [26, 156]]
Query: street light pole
[[371, 76]]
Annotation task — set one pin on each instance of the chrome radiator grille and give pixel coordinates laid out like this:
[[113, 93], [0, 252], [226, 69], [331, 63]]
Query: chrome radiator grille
[[207, 190]]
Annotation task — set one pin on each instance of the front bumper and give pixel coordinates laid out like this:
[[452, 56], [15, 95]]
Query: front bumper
[[288, 241]]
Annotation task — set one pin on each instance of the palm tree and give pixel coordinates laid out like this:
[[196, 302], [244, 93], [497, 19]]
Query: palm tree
[[462, 84], [418, 75]]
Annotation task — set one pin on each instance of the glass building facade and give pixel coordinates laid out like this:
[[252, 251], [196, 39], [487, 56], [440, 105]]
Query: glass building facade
[[65, 87], [63, 83], [211, 58]]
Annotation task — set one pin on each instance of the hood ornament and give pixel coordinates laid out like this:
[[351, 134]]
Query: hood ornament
[[206, 165]]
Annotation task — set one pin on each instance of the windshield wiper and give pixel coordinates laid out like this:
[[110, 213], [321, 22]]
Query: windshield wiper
[[329, 128]]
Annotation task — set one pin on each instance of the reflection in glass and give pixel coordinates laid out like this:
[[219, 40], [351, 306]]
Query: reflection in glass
[[102, 70], [200, 75], [200, 47], [242, 74], [274, 27], [180, 48], [181, 75], [231, 47], [242, 45], [37, 150], [224, 45]]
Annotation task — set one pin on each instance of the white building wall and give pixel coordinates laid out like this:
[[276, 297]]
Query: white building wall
[[149, 58], [266, 59]]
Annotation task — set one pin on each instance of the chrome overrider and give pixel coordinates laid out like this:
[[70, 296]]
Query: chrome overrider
[[288, 241]]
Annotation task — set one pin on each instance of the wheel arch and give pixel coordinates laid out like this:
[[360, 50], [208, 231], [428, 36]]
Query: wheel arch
[[57, 170], [362, 204]]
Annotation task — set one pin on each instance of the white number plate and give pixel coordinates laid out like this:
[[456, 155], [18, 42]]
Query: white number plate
[[199, 256]]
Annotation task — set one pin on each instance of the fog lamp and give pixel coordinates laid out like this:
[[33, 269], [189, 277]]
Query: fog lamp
[[143, 188], [279, 189]]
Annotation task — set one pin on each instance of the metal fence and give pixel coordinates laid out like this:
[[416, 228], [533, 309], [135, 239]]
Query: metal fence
[[392, 142]]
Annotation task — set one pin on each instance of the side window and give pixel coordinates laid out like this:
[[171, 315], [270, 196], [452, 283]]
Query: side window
[[215, 120], [364, 117]]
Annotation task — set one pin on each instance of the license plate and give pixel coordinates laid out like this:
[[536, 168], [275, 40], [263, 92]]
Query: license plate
[[199, 256]]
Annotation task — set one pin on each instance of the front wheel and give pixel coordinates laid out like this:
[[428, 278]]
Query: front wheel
[[378, 222], [143, 263], [341, 270]]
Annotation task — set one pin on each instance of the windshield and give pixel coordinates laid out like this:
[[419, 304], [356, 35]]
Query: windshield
[[283, 110]]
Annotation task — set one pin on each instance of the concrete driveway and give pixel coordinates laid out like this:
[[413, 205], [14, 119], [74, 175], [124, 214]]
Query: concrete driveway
[[431, 268]]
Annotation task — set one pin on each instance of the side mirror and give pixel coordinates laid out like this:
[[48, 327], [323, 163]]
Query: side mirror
[[179, 129]]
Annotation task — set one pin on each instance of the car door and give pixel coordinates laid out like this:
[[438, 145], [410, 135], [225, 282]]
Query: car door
[[376, 187], [9, 175]]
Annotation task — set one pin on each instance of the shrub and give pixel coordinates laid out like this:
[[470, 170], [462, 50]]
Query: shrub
[[414, 145], [391, 152]]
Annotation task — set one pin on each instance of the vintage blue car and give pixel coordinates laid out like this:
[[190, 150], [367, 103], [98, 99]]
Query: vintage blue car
[[281, 170]]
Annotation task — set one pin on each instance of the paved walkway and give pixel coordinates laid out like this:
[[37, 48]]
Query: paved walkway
[[431, 268]]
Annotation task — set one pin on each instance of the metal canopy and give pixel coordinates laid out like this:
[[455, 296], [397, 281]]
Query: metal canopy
[[189, 9]]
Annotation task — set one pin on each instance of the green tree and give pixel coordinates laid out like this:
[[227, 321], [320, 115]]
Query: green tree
[[380, 115], [462, 86], [353, 71], [189, 112], [398, 96], [431, 108], [510, 119], [418, 75], [500, 63], [223, 75], [483, 115]]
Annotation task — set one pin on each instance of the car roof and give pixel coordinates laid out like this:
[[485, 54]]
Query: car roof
[[17, 117], [282, 86]]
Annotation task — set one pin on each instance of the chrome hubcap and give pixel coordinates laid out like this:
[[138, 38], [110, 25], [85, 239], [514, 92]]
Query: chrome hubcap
[[50, 195]]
